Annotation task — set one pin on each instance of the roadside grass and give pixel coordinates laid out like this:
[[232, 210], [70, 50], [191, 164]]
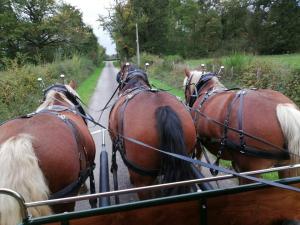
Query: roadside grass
[[86, 88], [161, 85], [116, 64], [290, 60]]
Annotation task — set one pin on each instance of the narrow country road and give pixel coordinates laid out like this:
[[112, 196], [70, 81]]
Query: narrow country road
[[105, 87]]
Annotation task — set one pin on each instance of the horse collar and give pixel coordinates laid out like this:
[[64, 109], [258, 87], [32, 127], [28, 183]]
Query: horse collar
[[203, 81]]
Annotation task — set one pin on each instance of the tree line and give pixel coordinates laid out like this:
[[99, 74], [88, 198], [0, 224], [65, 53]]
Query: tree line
[[196, 28], [38, 31]]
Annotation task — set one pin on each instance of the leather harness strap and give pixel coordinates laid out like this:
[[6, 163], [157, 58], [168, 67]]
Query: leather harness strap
[[85, 168], [118, 143], [224, 141]]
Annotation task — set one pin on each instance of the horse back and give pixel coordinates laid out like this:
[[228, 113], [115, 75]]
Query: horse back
[[254, 112], [54, 145], [139, 122]]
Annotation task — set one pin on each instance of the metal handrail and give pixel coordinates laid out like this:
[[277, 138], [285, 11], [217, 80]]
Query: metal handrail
[[20, 200], [154, 187]]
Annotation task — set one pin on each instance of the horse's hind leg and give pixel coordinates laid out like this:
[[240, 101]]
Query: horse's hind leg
[[141, 181], [251, 164]]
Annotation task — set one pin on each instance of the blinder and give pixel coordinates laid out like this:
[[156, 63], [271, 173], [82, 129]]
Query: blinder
[[118, 78], [200, 85], [133, 72]]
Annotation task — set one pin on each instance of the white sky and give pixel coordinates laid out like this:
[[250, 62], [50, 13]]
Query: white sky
[[91, 9]]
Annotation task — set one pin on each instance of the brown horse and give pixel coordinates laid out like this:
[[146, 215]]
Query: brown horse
[[255, 129], [155, 118], [45, 154]]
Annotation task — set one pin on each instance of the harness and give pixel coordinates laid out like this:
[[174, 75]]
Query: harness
[[86, 169], [73, 98], [198, 87], [133, 73], [224, 141], [118, 142]]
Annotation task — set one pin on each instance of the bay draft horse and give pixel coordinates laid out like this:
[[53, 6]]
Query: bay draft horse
[[254, 128], [45, 154], [155, 118]]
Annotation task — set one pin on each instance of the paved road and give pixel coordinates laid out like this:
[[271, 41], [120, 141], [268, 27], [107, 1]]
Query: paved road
[[105, 88]]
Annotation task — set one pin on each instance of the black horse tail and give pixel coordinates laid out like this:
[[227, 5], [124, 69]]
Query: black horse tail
[[172, 140]]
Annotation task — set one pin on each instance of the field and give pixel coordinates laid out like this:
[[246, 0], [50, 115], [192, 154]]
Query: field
[[290, 60]]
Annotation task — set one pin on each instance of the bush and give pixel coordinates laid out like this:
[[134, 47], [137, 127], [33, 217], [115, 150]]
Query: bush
[[170, 61], [240, 71], [236, 64], [20, 90]]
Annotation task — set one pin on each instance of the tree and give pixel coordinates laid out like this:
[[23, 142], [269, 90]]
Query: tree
[[42, 29], [275, 26], [235, 17]]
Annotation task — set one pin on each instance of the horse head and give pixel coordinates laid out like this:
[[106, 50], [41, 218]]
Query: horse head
[[64, 96], [130, 73], [196, 81]]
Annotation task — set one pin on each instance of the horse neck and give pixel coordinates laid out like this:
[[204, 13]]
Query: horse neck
[[211, 85], [133, 84]]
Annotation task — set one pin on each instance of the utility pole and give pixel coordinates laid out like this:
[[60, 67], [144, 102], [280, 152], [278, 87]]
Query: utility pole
[[137, 45]]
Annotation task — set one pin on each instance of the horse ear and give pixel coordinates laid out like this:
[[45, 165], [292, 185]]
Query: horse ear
[[187, 72], [73, 84]]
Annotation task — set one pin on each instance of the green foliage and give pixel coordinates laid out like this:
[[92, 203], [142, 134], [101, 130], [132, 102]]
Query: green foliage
[[205, 28], [235, 64], [246, 71], [20, 90], [158, 84], [44, 30], [87, 88], [170, 61], [117, 64], [274, 26]]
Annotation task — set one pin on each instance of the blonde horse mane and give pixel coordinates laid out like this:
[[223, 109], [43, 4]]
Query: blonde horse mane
[[20, 172], [54, 96], [196, 76]]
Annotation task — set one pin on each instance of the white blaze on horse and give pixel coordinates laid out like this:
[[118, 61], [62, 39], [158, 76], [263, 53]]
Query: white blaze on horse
[[254, 128]]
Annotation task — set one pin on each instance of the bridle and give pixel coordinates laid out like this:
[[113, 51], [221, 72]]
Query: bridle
[[202, 82], [132, 73]]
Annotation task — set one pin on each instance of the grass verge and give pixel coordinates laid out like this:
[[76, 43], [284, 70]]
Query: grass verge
[[86, 89], [161, 85]]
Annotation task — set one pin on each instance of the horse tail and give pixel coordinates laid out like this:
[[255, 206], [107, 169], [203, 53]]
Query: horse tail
[[20, 172], [171, 138], [289, 119]]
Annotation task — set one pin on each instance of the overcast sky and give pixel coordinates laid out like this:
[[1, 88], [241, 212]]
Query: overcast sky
[[91, 9]]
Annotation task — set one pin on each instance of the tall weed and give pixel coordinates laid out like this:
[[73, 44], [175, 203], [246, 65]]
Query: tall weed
[[20, 91]]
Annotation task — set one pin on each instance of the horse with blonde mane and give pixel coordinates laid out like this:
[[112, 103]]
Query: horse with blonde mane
[[46, 154], [253, 128]]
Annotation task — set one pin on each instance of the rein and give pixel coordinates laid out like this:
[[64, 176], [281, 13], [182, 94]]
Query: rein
[[239, 97], [237, 130], [207, 165]]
